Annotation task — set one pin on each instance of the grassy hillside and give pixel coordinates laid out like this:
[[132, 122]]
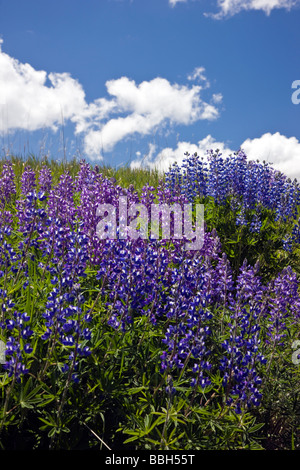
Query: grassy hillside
[[141, 343]]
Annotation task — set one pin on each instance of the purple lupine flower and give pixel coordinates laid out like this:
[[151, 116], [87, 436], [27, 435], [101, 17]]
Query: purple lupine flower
[[84, 177], [45, 179], [14, 362], [28, 181], [217, 177], [6, 218], [61, 204], [223, 281], [283, 300], [7, 183], [7, 190], [239, 363], [248, 185]]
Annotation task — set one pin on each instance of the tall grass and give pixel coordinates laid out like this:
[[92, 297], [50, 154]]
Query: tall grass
[[124, 176]]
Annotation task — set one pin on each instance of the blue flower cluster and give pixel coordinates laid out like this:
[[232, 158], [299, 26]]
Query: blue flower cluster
[[246, 184], [189, 295]]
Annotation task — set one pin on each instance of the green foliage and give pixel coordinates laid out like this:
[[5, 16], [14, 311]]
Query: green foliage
[[121, 399]]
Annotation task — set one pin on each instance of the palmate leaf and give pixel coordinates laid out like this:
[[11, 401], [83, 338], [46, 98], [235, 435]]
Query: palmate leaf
[[49, 423], [176, 439], [146, 428], [135, 390], [46, 399], [28, 398]]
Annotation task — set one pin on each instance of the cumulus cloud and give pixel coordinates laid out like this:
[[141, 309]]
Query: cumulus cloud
[[217, 98], [31, 99], [198, 74], [174, 2], [166, 157], [229, 8], [146, 106], [27, 103], [283, 152]]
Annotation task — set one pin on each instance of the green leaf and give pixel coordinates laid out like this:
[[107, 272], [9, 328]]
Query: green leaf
[[256, 427], [135, 390]]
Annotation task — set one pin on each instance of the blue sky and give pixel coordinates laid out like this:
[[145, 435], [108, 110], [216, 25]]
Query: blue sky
[[140, 82]]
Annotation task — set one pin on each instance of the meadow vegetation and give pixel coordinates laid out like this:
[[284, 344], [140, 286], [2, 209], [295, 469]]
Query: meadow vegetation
[[141, 344]]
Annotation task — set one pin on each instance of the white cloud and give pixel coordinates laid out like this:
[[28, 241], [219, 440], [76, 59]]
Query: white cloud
[[166, 157], [146, 160], [28, 103], [147, 105], [217, 98], [158, 99], [198, 74], [93, 114], [174, 2], [229, 8], [283, 152], [116, 130]]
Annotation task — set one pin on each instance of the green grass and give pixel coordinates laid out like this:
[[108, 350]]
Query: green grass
[[121, 395], [124, 175]]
